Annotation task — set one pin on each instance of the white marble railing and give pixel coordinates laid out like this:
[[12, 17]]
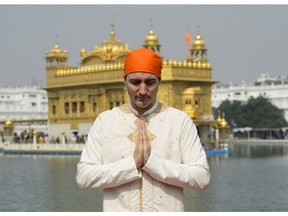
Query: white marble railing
[[260, 141]]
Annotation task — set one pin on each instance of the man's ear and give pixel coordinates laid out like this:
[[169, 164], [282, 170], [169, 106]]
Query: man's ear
[[125, 80]]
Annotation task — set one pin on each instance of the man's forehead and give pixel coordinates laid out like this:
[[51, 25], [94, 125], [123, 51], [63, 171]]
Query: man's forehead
[[141, 75]]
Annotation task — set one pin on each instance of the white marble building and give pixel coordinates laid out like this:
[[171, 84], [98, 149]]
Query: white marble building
[[273, 88], [24, 106]]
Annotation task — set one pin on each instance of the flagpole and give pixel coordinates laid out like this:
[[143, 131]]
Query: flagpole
[[188, 42], [187, 56]]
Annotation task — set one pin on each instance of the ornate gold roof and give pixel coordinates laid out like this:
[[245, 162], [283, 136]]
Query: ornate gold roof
[[108, 51], [56, 52]]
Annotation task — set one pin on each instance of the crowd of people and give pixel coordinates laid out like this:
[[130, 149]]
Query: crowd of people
[[26, 137]]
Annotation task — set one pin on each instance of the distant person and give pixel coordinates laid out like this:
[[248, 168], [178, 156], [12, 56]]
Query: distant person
[[143, 153], [46, 138], [53, 141]]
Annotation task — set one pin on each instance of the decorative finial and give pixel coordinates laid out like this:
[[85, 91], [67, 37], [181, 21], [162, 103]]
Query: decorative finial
[[198, 29], [151, 24], [56, 39], [56, 45], [113, 23], [112, 33], [112, 27]]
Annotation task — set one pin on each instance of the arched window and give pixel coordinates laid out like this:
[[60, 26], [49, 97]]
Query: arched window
[[53, 109]]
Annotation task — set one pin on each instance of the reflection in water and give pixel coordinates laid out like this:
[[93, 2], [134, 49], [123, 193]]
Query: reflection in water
[[258, 150]]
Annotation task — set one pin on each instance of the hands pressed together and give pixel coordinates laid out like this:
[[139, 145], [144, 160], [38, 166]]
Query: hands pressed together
[[143, 148]]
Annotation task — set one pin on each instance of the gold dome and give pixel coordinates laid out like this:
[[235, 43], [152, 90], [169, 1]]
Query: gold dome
[[199, 43], [56, 49], [109, 50], [151, 41], [8, 123], [224, 123], [151, 38], [221, 121]]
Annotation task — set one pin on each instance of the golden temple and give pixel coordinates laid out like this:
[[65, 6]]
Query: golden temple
[[77, 95]]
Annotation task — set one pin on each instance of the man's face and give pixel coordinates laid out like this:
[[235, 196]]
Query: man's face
[[142, 89]]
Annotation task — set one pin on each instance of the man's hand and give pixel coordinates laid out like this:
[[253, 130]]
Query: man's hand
[[138, 153], [142, 149], [146, 145]]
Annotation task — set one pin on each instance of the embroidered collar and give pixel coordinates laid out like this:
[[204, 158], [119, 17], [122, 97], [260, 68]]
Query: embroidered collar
[[151, 110]]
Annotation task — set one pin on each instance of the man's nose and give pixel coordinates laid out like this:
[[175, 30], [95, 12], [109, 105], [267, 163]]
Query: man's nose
[[142, 89]]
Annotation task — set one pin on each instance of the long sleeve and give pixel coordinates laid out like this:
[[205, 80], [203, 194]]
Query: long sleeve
[[92, 173], [192, 172]]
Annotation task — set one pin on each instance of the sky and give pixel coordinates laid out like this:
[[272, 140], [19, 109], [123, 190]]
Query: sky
[[243, 41]]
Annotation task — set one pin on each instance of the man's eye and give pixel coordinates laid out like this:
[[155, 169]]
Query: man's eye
[[134, 82], [150, 82]]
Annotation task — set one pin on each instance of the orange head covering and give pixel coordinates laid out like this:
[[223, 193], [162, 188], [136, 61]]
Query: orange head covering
[[143, 60]]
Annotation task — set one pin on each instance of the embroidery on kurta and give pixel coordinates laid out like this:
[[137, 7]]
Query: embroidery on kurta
[[125, 108], [141, 195], [133, 137], [161, 108]]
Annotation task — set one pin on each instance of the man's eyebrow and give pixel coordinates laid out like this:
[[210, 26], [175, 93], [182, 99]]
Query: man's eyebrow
[[148, 79]]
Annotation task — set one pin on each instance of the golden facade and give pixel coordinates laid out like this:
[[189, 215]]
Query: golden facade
[[78, 94]]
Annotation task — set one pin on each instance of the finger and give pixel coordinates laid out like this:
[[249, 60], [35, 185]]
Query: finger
[[145, 136], [140, 129], [143, 124]]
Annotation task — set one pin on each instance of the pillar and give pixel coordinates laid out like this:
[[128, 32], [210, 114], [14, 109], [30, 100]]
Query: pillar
[[34, 137], [63, 137]]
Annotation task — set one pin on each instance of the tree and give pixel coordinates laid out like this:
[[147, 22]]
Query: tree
[[232, 111], [256, 113]]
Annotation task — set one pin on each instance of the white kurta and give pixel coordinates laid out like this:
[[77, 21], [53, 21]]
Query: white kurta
[[177, 160]]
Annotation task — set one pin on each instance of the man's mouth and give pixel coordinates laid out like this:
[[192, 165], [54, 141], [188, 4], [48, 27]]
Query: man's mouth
[[142, 98]]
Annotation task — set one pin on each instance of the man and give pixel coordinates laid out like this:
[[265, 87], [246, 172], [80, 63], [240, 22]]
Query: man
[[143, 153]]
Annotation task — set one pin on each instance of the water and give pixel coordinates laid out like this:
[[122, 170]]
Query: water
[[249, 179], [43, 183]]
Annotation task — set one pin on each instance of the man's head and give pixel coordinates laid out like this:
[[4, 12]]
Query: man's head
[[142, 72], [143, 60]]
